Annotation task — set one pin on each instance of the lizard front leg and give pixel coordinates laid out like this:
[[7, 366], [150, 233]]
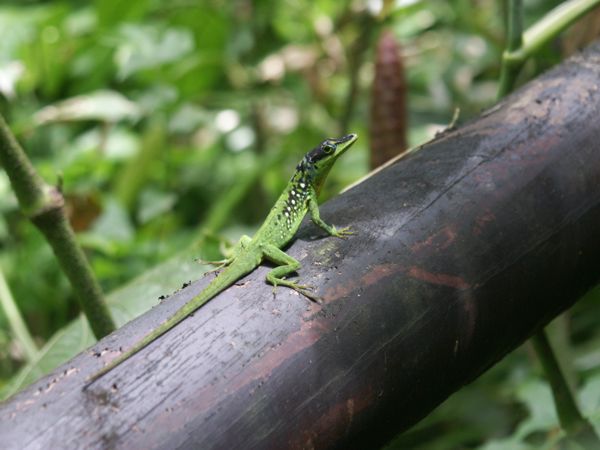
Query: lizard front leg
[[313, 208], [230, 255], [286, 266]]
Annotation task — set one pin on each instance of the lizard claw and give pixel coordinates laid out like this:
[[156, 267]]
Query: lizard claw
[[342, 233], [312, 297], [307, 292]]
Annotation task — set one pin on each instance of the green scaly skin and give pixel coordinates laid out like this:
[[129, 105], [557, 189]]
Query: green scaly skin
[[279, 228]]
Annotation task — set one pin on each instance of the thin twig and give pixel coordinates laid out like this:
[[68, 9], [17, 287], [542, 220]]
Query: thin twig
[[571, 419], [16, 322]]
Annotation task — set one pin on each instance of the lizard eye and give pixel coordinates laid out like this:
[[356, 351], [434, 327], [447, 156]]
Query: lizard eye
[[328, 148]]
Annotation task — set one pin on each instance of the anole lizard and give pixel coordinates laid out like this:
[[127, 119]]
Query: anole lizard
[[279, 228]]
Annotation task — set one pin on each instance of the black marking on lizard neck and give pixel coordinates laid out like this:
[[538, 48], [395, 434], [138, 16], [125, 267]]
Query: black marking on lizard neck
[[294, 202], [297, 195], [312, 170]]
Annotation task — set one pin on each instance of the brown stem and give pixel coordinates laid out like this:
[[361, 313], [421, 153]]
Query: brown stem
[[44, 205]]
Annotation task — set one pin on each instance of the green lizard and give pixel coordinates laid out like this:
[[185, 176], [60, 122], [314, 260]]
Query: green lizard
[[279, 228]]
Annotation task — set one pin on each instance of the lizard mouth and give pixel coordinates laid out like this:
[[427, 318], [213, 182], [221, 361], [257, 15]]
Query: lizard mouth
[[348, 138]]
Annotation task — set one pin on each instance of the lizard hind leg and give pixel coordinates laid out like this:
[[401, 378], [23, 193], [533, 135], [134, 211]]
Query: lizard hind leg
[[286, 266]]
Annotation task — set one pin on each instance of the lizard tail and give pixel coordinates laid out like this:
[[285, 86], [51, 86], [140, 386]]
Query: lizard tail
[[225, 279]]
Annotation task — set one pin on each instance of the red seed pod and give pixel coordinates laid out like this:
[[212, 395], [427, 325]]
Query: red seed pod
[[388, 122]]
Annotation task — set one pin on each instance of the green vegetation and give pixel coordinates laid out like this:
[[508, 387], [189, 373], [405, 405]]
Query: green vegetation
[[171, 126]]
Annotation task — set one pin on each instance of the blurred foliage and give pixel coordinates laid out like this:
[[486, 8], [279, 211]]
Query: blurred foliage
[[172, 125]]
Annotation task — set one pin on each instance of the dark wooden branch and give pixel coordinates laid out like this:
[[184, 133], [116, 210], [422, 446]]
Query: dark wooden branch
[[461, 251]]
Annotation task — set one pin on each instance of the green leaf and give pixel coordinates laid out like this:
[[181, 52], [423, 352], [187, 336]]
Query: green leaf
[[537, 397], [589, 397], [114, 224], [104, 105], [19, 27], [154, 203], [148, 46], [115, 11], [510, 443]]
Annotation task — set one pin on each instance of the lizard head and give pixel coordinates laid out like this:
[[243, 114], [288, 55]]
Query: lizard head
[[317, 163]]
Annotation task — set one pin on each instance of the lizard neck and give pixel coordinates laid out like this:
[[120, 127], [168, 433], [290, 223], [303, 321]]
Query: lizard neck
[[290, 208]]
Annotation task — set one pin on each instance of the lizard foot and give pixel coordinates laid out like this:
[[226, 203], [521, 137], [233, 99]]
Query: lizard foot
[[302, 290], [342, 233]]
